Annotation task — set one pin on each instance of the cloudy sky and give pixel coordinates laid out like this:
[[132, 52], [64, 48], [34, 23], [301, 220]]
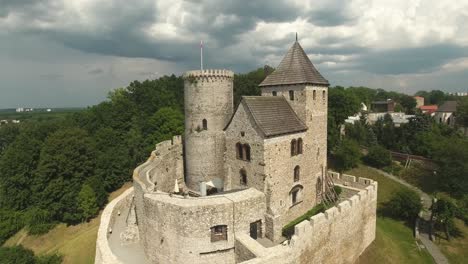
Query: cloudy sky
[[57, 53]]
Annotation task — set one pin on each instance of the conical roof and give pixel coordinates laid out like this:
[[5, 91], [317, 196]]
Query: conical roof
[[295, 68]]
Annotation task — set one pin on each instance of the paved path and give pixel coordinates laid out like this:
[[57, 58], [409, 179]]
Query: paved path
[[426, 200]]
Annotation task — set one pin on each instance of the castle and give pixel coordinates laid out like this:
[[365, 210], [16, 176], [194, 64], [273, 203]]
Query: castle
[[224, 192]]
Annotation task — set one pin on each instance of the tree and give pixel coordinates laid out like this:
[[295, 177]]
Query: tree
[[341, 104], [436, 97], [66, 161], [163, 125], [347, 155], [445, 210], [8, 133], [404, 204], [87, 202], [16, 254], [409, 103], [378, 157], [462, 113], [451, 154], [17, 166]]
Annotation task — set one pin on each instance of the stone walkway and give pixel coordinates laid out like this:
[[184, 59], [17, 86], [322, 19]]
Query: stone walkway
[[426, 200]]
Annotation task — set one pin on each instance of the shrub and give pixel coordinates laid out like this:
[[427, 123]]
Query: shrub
[[347, 155], [378, 157], [404, 204], [39, 221], [338, 190], [10, 223], [16, 254], [288, 230]]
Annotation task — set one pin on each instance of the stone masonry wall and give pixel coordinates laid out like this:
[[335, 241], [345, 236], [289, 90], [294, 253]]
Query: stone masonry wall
[[256, 166], [178, 229], [104, 254], [339, 235]]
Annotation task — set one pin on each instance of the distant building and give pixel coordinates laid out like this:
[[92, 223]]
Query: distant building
[[419, 101], [446, 113], [49, 110], [459, 93], [398, 118], [387, 106], [429, 109], [19, 109]]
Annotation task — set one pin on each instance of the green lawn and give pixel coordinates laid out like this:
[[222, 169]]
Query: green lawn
[[77, 244], [457, 249], [394, 241]]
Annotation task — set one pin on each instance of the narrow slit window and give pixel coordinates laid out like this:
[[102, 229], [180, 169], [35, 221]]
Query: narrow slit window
[[274, 93], [291, 95], [205, 124]]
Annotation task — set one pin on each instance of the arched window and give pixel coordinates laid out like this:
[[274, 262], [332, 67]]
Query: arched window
[[297, 173], [239, 152], [296, 194], [274, 93], [293, 147], [243, 177], [314, 94], [247, 152], [299, 146], [205, 124], [291, 95]]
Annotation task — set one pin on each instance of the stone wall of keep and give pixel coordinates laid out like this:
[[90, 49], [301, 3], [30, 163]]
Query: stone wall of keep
[[104, 254], [339, 235], [253, 168], [177, 229]]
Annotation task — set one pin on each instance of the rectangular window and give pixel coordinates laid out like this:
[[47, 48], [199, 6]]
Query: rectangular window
[[218, 233], [291, 95]]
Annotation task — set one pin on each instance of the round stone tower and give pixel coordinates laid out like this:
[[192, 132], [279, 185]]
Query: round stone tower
[[208, 109]]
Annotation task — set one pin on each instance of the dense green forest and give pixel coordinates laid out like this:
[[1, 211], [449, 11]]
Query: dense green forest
[[62, 170]]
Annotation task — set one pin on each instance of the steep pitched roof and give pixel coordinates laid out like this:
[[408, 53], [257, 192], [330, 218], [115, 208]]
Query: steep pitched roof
[[295, 68], [273, 115], [448, 106]]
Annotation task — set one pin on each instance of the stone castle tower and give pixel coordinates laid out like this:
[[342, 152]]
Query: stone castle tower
[[208, 108]]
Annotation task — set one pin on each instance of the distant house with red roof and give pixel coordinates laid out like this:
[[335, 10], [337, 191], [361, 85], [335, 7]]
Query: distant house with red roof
[[428, 109]]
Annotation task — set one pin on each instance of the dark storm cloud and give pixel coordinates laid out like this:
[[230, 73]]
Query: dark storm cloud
[[410, 60]]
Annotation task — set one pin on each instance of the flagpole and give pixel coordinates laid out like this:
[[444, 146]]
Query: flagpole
[[201, 55]]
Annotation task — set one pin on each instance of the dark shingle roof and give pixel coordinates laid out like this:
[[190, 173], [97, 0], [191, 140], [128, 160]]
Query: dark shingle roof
[[448, 106], [295, 68], [273, 115]]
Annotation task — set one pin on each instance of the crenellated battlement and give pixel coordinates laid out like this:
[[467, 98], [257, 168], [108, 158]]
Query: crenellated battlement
[[209, 74]]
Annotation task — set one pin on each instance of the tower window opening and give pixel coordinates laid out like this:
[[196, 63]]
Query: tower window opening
[[324, 94], [297, 172], [243, 177], [299, 146], [294, 195], [293, 147], [291, 95], [239, 151], [218, 233], [205, 124], [247, 152], [314, 94], [274, 93]]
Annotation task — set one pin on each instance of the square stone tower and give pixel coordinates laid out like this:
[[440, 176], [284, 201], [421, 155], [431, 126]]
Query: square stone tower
[[306, 90]]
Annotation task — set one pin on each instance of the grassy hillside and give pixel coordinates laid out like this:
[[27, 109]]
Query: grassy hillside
[[394, 241], [77, 244]]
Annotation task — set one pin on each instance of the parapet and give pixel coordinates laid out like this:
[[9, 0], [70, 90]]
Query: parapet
[[209, 74]]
